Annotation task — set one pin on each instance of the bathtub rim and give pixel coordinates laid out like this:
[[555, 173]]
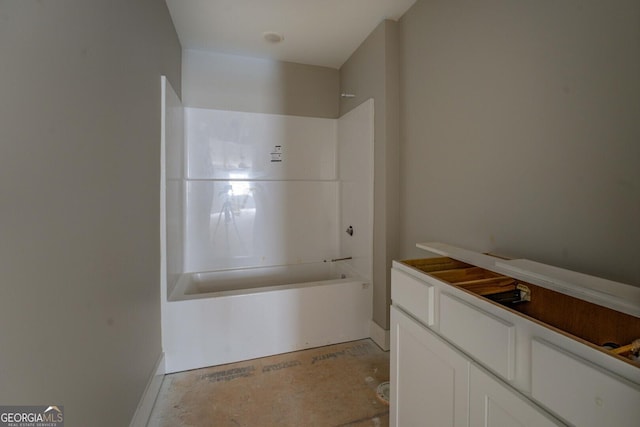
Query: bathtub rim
[[179, 292]]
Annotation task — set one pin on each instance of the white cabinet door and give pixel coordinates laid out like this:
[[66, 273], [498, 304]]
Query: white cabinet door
[[580, 392], [493, 404], [429, 379]]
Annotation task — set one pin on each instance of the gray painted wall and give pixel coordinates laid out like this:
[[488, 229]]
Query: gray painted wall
[[520, 126], [238, 83], [372, 72], [79, 202]]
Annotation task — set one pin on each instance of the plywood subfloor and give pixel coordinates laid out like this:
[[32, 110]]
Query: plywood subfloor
[[326, 386]]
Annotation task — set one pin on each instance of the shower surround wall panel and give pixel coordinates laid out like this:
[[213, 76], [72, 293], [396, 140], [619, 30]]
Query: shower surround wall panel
[[173, 148], [261, 189], [222, 144], [355, 171], [262, 223]]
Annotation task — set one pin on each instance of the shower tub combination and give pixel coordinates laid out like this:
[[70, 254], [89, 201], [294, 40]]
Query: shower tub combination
[[227, 316]]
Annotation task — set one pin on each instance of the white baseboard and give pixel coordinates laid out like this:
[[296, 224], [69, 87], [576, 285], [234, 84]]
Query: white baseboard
[[380, 336], [148, 399]]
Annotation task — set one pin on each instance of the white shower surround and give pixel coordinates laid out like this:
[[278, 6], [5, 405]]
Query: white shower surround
[[292, 212], [245, 210]]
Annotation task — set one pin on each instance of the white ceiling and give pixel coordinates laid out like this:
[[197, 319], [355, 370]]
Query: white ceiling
[[316, 32]]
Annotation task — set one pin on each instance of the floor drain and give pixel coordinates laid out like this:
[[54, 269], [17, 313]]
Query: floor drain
[[383, 392]]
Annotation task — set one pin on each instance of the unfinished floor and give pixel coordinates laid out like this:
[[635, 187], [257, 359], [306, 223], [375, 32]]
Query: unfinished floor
[[326, 386]]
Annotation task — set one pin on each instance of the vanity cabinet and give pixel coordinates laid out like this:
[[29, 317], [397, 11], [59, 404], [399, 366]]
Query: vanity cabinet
[[429, 378], [493, 404], [432, 384], [474, 342]]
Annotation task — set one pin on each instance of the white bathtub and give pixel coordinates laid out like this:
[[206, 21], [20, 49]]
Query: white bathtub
[[227, 316], [257, 279]]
